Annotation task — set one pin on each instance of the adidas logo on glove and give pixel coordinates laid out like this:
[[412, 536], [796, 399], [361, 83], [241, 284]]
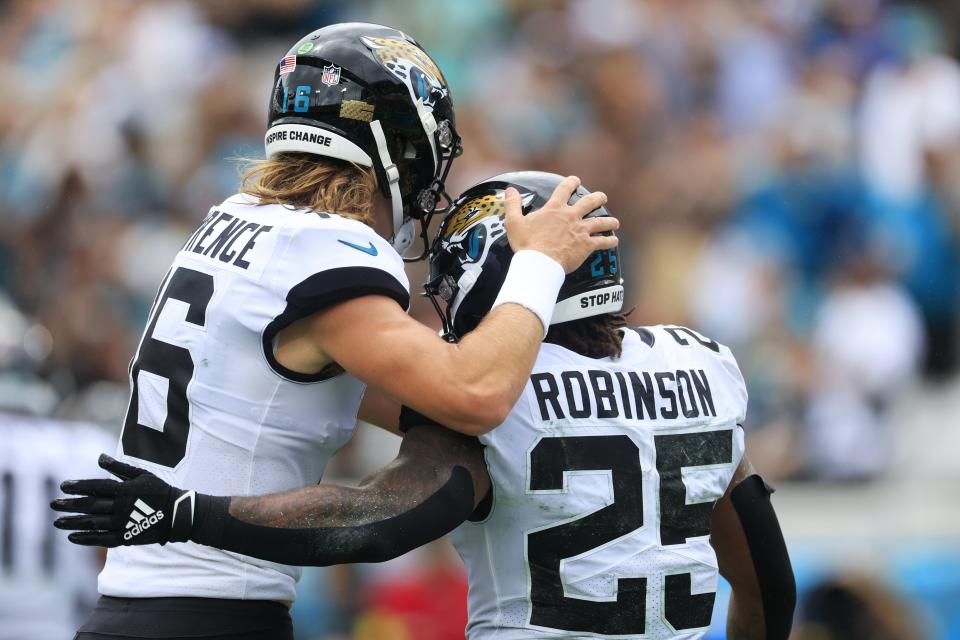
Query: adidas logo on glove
[[141, 518]]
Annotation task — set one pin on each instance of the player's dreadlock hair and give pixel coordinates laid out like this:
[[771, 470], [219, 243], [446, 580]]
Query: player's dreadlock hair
[[594, 337], [304, 180]]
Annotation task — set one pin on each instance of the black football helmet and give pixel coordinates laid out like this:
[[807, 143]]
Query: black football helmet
[[369, 94], [470, 256]]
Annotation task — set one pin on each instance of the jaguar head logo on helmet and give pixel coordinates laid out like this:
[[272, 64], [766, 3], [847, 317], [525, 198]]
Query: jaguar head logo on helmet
[[470, 256], [370, 95], [412, 66]]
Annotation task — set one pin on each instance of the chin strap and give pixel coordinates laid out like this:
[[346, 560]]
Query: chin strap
[[403, 228], [429, 124]]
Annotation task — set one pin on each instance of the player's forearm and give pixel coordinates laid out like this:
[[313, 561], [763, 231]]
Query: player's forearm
[[327, 524], [429, 489], [753, 557], [488, 389], [745, 618], [490, 366]]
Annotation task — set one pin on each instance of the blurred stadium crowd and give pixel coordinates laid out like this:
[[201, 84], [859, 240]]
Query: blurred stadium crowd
[[787, 175]]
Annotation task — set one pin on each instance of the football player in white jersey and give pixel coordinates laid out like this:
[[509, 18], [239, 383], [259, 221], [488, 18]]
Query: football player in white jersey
[[46, 587], [288, 299], [604, 506]]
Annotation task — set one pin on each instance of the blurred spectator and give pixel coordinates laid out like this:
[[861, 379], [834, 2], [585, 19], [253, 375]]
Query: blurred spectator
[[47, 585], [855, 607], [867, 345], [423, 597], [910, 129]]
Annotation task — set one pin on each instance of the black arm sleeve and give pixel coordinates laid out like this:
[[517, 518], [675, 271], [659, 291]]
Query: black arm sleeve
[[376, 541], [425, 493], [410, 418], [751, 500]]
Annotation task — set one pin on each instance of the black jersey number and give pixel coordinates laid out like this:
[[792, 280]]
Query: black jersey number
[[547, 547], [702, 340], [12, 548], [175, 364], [619, 455]]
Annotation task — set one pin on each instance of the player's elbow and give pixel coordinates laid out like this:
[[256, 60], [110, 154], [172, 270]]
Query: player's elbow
[[490, 414], [780, 589], [773, 586], [480, 410], [466, 411]]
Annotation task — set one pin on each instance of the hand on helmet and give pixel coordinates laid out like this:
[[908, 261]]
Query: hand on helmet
[[559, 230], [142, 509]]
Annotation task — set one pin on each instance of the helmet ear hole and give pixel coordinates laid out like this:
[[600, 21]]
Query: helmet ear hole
[[426, 201], [444, 135]]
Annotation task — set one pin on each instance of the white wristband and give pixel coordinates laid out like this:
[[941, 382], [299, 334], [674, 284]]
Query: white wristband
[[533, 281]]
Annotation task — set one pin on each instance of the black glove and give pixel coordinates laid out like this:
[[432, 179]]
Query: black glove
[[143, 509]]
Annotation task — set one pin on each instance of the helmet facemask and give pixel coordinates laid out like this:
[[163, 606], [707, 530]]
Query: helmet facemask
[[421, 185], [409, 200]]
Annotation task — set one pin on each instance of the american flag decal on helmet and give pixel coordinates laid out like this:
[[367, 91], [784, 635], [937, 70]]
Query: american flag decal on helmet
[[288, 64]]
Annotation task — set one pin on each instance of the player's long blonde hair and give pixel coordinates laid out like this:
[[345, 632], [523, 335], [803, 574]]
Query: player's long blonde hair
[[304, 180]]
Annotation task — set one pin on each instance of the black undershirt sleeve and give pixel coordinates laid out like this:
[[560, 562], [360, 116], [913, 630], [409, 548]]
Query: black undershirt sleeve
[[410, 418], [426, 492], [751, 500], [375, 541]]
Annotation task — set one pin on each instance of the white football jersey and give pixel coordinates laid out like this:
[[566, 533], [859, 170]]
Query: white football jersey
[[604, 479], [47, 584], [211, 409]]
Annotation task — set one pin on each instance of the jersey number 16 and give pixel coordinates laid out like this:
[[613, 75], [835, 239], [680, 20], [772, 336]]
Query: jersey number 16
[[170, 365]]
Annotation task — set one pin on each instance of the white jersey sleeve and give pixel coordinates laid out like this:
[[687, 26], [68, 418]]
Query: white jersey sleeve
[[325, 261]]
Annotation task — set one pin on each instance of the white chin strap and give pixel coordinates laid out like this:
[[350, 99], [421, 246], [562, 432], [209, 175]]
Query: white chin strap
[[592, 303], [404, 230], [464, 285], [429, 124]]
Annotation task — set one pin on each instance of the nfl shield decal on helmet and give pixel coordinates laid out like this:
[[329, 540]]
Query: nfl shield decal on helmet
[[331, 75]]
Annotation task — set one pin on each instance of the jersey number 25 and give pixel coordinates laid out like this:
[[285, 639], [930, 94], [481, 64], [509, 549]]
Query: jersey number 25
[[547, 548]]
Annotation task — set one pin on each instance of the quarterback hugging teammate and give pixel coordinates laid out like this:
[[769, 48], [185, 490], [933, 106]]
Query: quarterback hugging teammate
[[606, 503], [285, 303], [595, 484]]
